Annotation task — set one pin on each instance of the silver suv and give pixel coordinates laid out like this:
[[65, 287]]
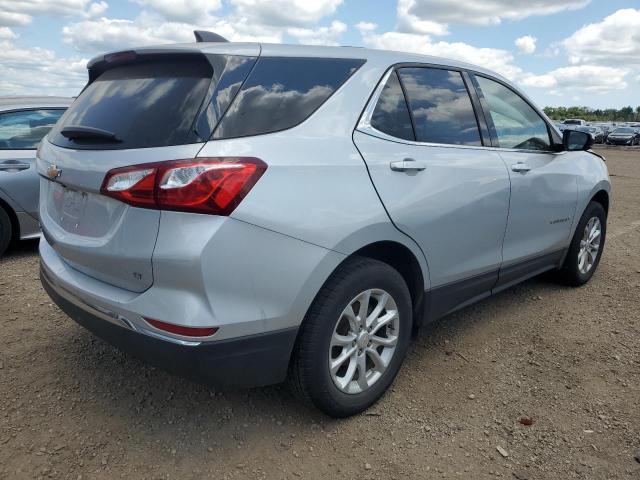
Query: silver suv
[[24, 121], [245, 214]]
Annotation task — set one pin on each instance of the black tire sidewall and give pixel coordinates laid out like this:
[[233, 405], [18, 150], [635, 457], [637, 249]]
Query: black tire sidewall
[[323, 391], [6, 231], [573, 274]]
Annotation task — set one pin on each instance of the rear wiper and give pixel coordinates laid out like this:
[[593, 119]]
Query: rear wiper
[[77, 132]]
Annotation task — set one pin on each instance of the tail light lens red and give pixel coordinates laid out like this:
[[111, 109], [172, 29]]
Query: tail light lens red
[[202, 185]]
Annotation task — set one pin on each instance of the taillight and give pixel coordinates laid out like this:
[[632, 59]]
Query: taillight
[[181, 330], [202, 185]]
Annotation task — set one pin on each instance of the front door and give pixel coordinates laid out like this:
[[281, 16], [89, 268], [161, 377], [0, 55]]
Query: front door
[[543, 183]]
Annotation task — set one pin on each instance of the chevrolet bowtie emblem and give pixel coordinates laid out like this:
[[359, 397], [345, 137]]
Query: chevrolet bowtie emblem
[[53, 172]]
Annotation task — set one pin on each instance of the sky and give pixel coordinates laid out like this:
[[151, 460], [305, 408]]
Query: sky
[[561, 52]]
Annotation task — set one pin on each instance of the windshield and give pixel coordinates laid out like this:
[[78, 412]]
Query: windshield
[[623, 130]]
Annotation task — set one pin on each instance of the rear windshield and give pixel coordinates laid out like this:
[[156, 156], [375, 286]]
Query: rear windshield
[[150, 104], [280, 93]]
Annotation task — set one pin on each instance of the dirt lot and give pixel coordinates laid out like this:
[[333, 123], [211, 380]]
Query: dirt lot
[[73, 407]]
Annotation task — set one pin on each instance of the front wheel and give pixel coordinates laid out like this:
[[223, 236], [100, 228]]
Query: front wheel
[[353, 339], [586, 246]]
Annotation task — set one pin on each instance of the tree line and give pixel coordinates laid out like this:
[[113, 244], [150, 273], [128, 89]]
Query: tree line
[[624, 114]]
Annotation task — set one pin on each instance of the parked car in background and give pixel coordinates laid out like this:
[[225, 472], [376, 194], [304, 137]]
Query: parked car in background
[[624, 136], [574, 121], [595, 132], [24, 121], [606, 129], [299, 214]]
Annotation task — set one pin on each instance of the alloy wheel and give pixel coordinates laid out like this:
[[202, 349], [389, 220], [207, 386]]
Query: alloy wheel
[[364, 341], [589, 245]]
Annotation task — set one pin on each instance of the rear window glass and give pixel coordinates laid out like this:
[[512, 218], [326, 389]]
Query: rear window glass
[[150, 104], [280, 93]]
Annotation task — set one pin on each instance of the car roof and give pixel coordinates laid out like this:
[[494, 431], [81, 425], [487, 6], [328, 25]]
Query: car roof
[[285, 50], [14, 102]]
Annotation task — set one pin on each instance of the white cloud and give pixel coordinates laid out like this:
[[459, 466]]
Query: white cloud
[[319, 36], [169, 21], [7, 34], [105, 34], [37, 71], [583, 78], [495, 59], [21, 12], [614, 41], [490, 12], [284, 12], [13, 19], [411, 23], [365, 27], [182, 10], [96, 9], [526, 44]]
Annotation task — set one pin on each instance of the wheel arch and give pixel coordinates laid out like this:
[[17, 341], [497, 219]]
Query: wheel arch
[[601, 197], [402, 259], [13, 218]]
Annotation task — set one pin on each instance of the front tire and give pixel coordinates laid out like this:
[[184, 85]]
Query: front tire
[[353, 339], [586, 246], [6, 231]]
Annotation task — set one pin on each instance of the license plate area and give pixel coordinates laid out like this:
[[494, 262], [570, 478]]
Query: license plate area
[[71, 206]]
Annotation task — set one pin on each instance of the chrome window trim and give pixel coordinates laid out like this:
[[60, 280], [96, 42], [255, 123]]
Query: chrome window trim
[[364, 125]]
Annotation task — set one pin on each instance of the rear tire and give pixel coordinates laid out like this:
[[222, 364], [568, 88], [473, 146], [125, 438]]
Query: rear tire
[[333, 331], [586, 246], [6, 231]]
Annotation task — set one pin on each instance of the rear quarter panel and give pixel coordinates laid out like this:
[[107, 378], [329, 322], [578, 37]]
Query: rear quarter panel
[[317, 187]]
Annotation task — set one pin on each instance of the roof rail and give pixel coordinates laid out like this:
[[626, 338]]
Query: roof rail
[[205, 36]]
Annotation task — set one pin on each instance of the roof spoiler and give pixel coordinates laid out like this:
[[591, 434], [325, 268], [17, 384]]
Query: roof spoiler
[[205, 36]]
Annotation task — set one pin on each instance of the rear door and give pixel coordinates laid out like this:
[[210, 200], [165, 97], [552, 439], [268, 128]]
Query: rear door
[[439, 184], [20, 133], [137, 109], [543, 182]]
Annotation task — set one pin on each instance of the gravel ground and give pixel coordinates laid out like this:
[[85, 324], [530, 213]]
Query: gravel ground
[[567, 360]]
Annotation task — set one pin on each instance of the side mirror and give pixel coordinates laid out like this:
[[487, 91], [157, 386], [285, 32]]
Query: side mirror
[[575, 140]]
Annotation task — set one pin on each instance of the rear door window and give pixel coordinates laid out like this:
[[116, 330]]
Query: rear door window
[[281, 92], [517, 124], [25, 129], [440, 105], [146, 104], [391, 115]]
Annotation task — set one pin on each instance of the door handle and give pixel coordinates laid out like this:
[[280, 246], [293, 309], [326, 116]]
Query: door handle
[[12, 165], [407, 165], [520, 167]]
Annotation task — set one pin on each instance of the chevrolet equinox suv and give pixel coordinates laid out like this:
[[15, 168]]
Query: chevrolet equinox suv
[[244, 214]]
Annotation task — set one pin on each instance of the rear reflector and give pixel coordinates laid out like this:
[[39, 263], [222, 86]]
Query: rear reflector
[[203, 185], [184, 331]]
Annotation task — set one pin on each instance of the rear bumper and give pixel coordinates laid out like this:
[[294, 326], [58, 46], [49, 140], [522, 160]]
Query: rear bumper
[[250, 361]]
